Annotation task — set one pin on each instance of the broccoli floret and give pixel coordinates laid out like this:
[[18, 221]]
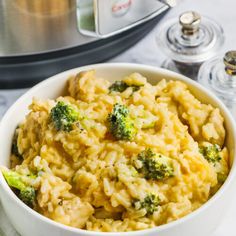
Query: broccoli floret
[[121, 86], [150, 203], [155, 166], [27, 193], [135, 87], [211, 153], [221, 177], [118, 86], [14, 147], [119, 123], [63, 116]]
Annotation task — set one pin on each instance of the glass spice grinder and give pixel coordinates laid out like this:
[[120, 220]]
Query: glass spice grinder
[[188, 42], [219, 75]]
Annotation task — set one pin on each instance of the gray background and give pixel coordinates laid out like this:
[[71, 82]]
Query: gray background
[[146, 52]]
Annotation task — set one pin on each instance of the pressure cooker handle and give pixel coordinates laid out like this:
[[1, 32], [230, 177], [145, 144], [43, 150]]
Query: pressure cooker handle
[[105, 18]]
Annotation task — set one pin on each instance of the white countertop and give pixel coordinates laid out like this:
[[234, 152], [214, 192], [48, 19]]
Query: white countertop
[[146, 52], [222, 11]]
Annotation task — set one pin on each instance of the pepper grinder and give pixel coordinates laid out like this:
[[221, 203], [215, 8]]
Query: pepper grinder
[[219, 75], [188, 42]]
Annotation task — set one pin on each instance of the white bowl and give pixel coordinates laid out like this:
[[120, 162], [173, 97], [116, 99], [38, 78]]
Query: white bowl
[[28, 222]]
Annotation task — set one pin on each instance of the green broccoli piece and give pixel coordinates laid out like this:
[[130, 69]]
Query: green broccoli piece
[[150, 203], [121, 86], [14, 147], [135, 87], [221, 177], [155, 166], [118, 86], [211, 153], [120, 124], [27, 193], [63, 116]]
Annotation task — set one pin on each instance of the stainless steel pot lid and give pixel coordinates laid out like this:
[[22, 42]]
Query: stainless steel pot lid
[[191, 38]]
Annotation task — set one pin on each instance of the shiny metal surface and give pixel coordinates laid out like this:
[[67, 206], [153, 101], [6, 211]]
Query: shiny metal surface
[[190, 22], [105, 18], [37, 26]]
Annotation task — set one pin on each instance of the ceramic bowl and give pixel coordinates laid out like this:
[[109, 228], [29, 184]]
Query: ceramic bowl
[[28, 222]]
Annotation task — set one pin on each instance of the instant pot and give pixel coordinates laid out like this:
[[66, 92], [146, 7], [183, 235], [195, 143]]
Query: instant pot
[[39, 38]]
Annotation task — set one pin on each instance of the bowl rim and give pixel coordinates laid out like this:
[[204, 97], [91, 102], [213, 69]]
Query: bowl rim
[[4, 186]]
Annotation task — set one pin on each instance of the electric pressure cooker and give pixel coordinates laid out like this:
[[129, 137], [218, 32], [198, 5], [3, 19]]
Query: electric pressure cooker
[[39, 38]]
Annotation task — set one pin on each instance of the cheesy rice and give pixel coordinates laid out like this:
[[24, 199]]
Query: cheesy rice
[[88, 179]]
